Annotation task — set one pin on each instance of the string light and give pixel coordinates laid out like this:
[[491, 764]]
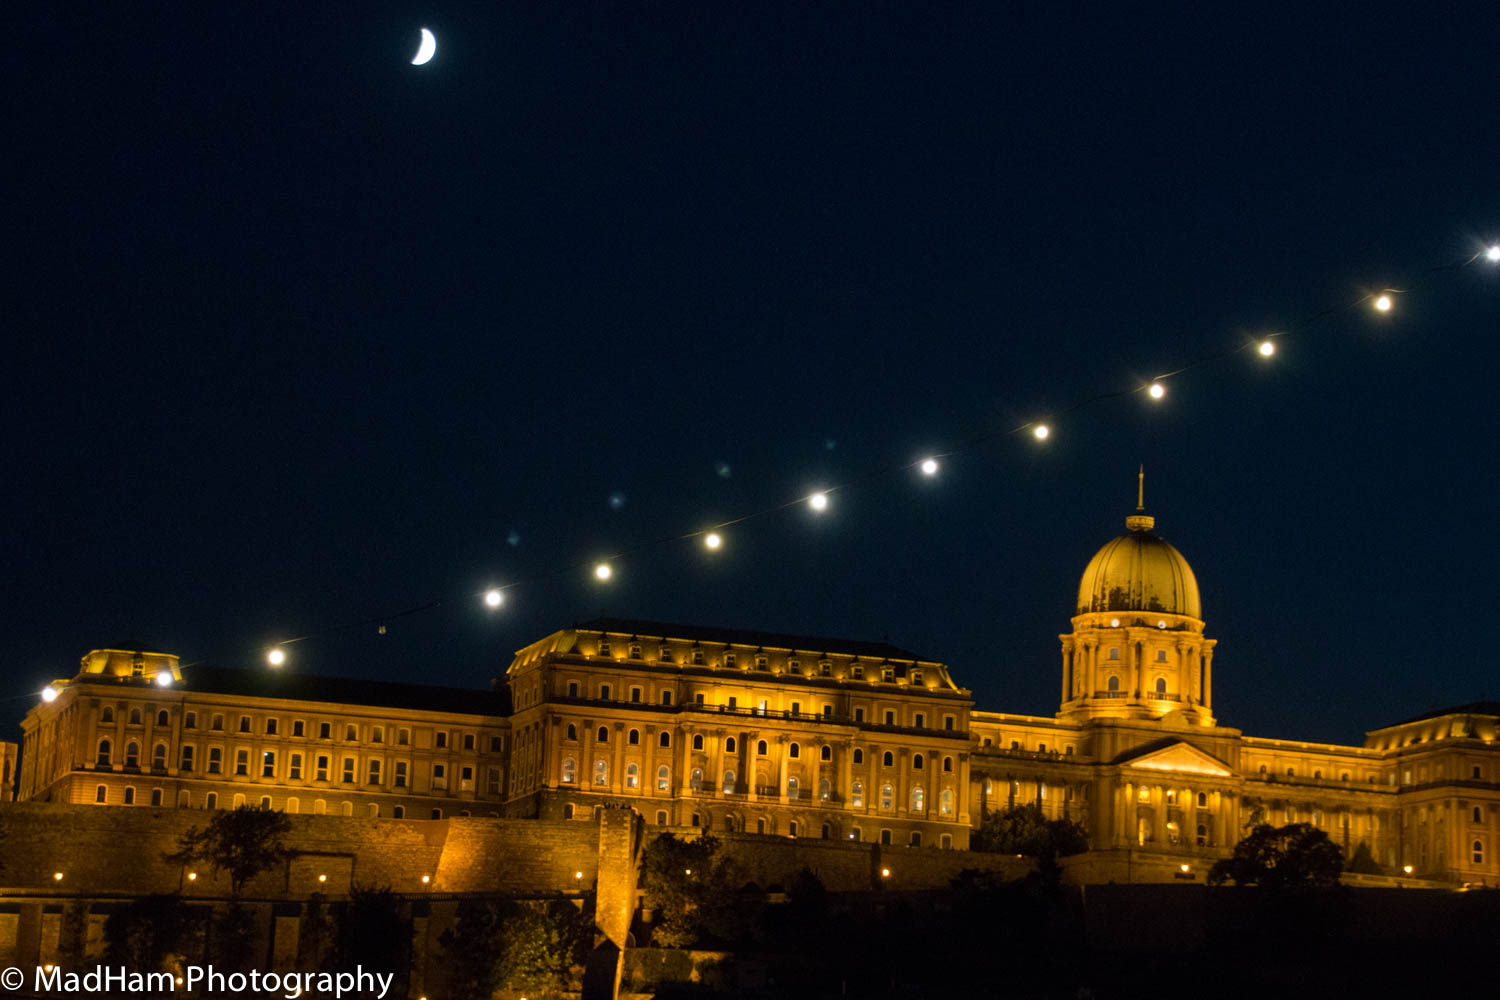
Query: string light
[[1383, 302]]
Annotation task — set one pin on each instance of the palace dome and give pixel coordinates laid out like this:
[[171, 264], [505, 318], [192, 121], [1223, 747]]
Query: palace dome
[[1139, 571]]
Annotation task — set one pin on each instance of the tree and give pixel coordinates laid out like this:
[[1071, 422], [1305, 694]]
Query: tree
[[370, 930], [539, 947], [472, 950], [243, 842], [1297, 855], [1363, 861], [155, 933], [690, 887], [1025, 829]]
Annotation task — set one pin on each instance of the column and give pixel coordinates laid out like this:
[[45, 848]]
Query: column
[[961, 807], [781, 767], [747, 754], [716, 777], [682, 761], [586, 746], [1067, 672], [1208, 676], [845, 751], [903, 774], [616, 775]]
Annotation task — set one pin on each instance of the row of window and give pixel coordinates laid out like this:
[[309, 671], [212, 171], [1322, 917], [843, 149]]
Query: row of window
[[322, 769], [763, 706], [762, 747], [696, 657], [469, 741], [292, 805]]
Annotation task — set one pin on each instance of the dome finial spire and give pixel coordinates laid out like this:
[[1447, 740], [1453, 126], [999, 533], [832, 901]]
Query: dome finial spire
[[1140, 520], [1140, 488]]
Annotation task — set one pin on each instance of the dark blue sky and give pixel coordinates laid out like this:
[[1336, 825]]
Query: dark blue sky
[[300, 334]]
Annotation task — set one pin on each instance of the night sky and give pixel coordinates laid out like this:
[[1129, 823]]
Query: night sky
[[300, 335]]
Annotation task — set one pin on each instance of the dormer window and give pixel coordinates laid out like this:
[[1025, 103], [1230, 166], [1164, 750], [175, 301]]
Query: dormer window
[[888, 675], [697, 657], [665, 656], [916, 676], [857, 672], [635, 652], [825, 668], [603, 647], [761, 663], [729, 660]]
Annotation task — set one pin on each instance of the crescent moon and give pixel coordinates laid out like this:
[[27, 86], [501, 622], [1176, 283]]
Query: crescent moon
[[426, 50]]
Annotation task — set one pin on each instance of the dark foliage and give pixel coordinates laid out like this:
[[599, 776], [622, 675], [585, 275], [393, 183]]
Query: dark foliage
[[156, 933], [1297, 855], [371, 929], [243, 842]]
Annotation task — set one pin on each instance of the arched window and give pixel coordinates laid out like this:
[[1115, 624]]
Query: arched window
[[915, 840], [760, 748], [697, 741], [947, 765], [634, 738], [601, 772], [1161, 686], [1478, 814], [945, 802], [663, 778], [888, 759], [632, 776], [918, 799], [887, 796], [791, 787], [107, 714], [728, 782], [857, 794], [603, 735], [729, 744], [695, 780], [916, 762], [1202, 835], [161, 718], [104, 755], [1114, 682], [1161, 656], [825, 752], [794, 751], [1479, 852], [132, 754], [665, 739], [572, 732], [1114, 653], [159, 757], [859, 756], [824, 790], [187, 759], [827, 831], [101, 794], [135, 717], [129, 796], [569, 771]]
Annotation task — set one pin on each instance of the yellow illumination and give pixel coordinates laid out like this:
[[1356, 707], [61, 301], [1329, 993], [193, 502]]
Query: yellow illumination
[[1041, 432], [49, 694], [1114, 623], [603, 572], [1186, 867], [885, 873], [1266, 348], [929, 466], [687, 871], [57, 876], [1407, 869], [322, 878], [493, 598], [426, 879], [1157, 390], [712, 540], [1383, 303], [276, 656], [818, 501], [579, 875], [192, 876]]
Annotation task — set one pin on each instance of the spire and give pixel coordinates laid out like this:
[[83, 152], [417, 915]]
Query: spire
[[1140, 520]]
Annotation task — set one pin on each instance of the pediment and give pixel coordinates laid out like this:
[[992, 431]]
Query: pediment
[[1179, 757]]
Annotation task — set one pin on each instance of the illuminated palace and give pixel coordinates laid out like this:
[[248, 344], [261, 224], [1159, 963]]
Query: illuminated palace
[[792, 736]]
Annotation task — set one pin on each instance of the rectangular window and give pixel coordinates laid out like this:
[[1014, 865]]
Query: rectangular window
[[187, 759], [733, 703], [635, 695], [348, 770], [496, 745], [156, 796], [215, 760], [244, 723], [270, 727], [299, 728], [572, 689], [295, 772], [190, 720], [890, 718], [242, 762], [948, 723], [492, 781], [351, 733], [374, 772], [377, 735], [403, 737], [466, 774], [268, 764], [439, 777], [468, 741], [859, 715], [796, 708], [604, 692], [400, 774], [921, 722], [697, 699], [440, 740], [322, 767], [827, 711], [325, 731], [218, 724], [666, 697]]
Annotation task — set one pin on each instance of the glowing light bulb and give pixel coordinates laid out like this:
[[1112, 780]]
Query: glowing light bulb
[[885, 873], [578, 875], [712, 540], [1383, 303], [818, 501], [164, 679], [322, 878], [57, 876], [1493, 254], [276, 656], [1266, 348], [1041, 432], [192, 876], [603, 572], [929, 466], [493, 598], [49, 694], [426, 879], [1157, 390]]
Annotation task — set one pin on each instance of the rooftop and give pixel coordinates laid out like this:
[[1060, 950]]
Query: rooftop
[[341, 690], [745, 637]]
